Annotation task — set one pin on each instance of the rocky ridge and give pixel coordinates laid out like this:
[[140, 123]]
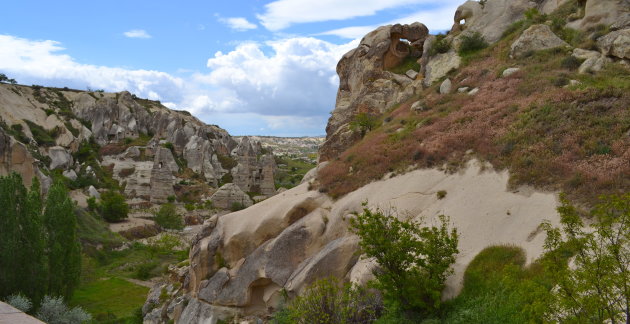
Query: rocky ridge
[[162, 143]]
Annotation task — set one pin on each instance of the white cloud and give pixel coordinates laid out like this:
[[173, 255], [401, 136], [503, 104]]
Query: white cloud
[[137, 33], [436, 19], [238, 23], [295, 79], [281, 14], [286, 86], [40, 62]]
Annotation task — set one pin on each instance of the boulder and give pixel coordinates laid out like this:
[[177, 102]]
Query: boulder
[[463, 89], [411, 74], [594, 64], [60, 158], [616, 43], [70, 174], [473, 92], [418, 106], [445, 87], [509, 71], [490, 19], [440, 65], [93, 192], [535, 38], [603, 12], [230, 194]]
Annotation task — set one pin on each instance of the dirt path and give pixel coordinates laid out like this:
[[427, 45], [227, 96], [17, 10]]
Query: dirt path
[[148, 284]]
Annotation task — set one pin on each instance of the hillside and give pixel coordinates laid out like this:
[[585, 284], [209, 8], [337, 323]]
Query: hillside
[[488, 124]]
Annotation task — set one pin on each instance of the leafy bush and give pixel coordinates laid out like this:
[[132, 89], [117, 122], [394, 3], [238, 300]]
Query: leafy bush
[[414, 260], [114, 208], [167, 217], [236, 206], [41, 135], [441, 194], [571, 63], [53, 310], [595, 288], [227, 162], [20, 302], [364, 122], [328, 301], [440, 45], [472, 43]]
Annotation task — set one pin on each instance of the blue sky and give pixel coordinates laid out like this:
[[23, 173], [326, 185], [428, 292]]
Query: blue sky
[[251, 67]]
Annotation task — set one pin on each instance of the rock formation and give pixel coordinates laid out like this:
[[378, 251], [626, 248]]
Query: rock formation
[[229, 195], [536, 38], [148, 171]]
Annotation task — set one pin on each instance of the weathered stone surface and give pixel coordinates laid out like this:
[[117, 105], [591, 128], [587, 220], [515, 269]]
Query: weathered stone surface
[[616, 43], [70, 174], [93, 192], [440, 65], [473, 92], [15, 157], [255, 170], [230, 194], [536, 38], [603, 12], [411, 74], [365, 84], [164, 166], [490, 19], [509, 71], [60, 158], [418, 106], [594, 64], [446, 86]]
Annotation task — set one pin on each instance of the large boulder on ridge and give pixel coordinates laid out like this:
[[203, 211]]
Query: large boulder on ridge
[[536, 38]]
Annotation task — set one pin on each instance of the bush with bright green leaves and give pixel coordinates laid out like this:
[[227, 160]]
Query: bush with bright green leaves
[[414, 260], [167, 217], [472, 43], [113, 206], [364, 122], [54, 310], [328, 301], [596, 287]]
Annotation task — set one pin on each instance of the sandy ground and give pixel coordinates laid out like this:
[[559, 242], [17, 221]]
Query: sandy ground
[[133, 221]]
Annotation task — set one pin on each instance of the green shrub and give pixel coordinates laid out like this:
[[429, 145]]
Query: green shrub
[[571, 63], [364, 122], [167, 217], [440, 45], [114, 208], [327, 301], [53, 310], [20, 302], [441, 194], [472, 43], [143, 271], [42, 136], [415, 260], [236, 206], [227, 162]]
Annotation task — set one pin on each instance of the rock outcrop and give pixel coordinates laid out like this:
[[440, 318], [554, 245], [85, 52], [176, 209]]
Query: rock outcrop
[[242, 263], [536, 38], [366, 85], [229, 195], [603, 12], [149, 170]]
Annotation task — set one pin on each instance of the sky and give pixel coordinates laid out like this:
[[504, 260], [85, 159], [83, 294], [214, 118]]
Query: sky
[[252, 67]]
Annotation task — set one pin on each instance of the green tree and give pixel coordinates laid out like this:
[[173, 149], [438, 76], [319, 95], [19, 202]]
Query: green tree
[[64, 250], [596, 288], [21, 239], [167, 217], [113, 206], [414, 260]]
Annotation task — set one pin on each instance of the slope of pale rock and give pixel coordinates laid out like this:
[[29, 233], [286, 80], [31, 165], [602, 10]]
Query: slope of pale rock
[[294, 238]]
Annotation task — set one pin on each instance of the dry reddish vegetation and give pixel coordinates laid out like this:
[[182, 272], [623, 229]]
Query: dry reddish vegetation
[[571, 139]]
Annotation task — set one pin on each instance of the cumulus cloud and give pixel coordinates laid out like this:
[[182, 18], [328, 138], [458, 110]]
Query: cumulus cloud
[[284, 87], [238, 23], [31, 61], [137, 33], [434, 19], [281, 14], [297, 78]]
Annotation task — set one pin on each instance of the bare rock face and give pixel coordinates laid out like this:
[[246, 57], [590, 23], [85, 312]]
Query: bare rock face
[[603, 12], [365, 84], [536, 38], [15, 157], [616, 43], [162, 178], [60, 158], [440, 65], [230, 194], [255, 168], [490, 19]]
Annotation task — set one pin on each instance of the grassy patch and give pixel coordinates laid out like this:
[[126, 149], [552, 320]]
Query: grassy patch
[[409, 63], [110, 296], [291, 171]]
